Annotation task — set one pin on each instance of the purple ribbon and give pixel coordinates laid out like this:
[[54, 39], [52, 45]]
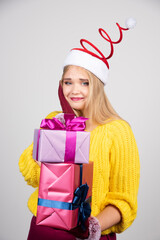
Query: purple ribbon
[[71, 126]]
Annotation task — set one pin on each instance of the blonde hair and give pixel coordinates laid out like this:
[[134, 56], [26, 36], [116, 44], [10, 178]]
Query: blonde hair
[[98, 107]]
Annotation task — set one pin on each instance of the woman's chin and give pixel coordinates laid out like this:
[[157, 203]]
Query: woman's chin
[[75, 107]]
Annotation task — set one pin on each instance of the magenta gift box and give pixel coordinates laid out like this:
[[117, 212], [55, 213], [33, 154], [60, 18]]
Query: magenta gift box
[[54, 145], [58, 182]]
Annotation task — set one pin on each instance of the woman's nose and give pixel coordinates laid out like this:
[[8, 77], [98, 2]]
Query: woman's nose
[[75, 88]]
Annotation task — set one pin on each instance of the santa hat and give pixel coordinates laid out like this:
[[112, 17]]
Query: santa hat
[[96, 63]]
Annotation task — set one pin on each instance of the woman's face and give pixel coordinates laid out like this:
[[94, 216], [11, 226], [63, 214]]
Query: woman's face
[[76, 87]]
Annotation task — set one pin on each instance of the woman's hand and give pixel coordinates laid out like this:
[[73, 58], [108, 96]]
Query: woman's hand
[[105, 219]]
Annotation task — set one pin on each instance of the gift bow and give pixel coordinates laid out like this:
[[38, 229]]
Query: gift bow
[[84, 207], [71, 123]]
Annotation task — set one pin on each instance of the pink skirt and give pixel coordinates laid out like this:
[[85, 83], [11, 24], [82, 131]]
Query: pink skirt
[[47, 233]]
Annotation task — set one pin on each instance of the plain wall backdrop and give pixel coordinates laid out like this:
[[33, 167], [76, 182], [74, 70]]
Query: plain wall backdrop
[[35, 36]]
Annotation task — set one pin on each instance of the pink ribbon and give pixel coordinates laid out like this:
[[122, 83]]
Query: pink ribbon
[[71, 126], [71, 123]]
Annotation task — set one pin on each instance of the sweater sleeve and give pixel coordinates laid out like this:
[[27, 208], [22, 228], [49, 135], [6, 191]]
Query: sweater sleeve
[[124, 174], [27, 166]]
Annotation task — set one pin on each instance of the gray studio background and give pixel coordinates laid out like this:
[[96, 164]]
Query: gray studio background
[[35, 37]]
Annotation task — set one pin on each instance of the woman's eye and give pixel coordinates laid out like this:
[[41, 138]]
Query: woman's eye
[[67, 83], [85, 83]]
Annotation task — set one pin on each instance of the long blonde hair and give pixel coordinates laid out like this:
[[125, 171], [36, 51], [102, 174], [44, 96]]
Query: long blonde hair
[[98, 107]]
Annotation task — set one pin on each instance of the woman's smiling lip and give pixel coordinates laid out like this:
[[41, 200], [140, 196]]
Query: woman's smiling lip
[[76, 98]]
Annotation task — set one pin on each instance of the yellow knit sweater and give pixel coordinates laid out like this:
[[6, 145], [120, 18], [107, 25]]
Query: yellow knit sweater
[[116, 173]]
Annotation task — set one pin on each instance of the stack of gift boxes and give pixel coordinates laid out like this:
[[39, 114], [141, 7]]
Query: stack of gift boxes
[[65, 188]]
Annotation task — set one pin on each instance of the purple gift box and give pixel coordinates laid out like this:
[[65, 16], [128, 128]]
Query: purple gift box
[[61, 146]]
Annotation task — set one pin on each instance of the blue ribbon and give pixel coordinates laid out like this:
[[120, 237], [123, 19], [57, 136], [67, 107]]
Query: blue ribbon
[[55, 204], [79, 201]]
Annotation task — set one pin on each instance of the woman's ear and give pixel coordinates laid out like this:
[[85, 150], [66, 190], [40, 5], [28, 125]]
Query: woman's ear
[[66, 108]]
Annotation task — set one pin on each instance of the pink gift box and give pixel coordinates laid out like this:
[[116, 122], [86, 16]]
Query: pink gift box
[[58, 182], [54, 145]]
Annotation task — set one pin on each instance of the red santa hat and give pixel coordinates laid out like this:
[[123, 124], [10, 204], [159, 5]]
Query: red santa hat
[[96, 63]]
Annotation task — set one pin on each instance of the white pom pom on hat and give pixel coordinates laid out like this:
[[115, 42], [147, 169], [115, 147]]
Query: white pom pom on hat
[[96, 63], [130, 23]]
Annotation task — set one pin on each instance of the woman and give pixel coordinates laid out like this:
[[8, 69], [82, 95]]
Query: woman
[[112, 149]]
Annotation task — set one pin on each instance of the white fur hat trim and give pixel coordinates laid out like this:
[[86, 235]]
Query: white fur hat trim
[[89, 62]]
